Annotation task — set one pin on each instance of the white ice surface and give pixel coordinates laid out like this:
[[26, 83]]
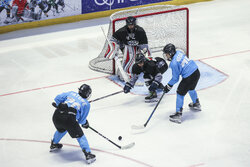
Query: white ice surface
[[35, 68]]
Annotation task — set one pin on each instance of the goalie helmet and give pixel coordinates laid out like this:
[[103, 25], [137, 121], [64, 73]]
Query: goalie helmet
[[85, 91], [130, 20], [140, 58], [169, 49]]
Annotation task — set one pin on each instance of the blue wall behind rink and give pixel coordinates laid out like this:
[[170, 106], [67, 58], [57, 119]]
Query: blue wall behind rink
[[89, 6]]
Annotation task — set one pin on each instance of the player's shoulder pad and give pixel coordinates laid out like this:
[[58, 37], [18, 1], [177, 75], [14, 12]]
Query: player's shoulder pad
[[138, 28], [122, 29], [151, 62]]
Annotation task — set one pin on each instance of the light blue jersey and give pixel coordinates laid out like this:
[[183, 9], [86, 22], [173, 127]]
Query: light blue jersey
[[74, 100], [181, 65], [5, 3]]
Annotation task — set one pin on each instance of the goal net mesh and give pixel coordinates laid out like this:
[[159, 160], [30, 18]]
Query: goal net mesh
[[162, 23]]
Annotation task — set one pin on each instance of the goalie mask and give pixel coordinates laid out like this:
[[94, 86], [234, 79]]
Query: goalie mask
[[131, 22], [85, 91], [169, 49]]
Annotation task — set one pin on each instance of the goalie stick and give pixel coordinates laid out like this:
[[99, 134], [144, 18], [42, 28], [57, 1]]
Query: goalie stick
[[143, 126], [120, 147], [118, 63]]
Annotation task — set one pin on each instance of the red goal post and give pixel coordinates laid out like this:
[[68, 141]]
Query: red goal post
[[163, 24]]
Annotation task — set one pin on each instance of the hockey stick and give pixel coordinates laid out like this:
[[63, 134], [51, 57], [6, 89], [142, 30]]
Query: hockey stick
[[118, 63], [120, 147], [54, 104], [143, 126], [106, 96]]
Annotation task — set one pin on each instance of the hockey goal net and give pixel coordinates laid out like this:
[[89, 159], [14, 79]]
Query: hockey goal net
[[163, 24]]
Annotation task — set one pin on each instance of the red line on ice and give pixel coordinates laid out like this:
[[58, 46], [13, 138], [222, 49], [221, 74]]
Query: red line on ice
[[114, 154], [29, 90]]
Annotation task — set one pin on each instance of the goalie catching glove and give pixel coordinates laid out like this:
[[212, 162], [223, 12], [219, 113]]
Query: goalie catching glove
[[127, 87], [167, 88]]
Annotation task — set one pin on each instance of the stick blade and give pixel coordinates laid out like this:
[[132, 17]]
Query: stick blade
[[128, 146], [138, 127]]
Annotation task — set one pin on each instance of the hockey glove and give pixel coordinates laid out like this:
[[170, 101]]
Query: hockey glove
[[127, 87], [62, 106], [167, 88], [54, 104], [153, 86], [86, 125]]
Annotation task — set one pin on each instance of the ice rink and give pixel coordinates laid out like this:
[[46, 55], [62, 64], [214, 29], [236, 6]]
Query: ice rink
[[38, 64]]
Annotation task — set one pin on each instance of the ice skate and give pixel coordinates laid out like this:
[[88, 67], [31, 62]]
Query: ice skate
[[54, 146], [176, 117], [195, 106], [90, 158], [152, 97]]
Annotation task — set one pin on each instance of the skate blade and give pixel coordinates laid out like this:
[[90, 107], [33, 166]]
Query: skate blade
[[175, 120], [195, 109], [151, 101], [54, 149], [89, 161]]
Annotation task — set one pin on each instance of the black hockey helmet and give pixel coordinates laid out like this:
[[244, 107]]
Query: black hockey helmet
[[170, 49], [130, 20], [85, 91], [140, 58]]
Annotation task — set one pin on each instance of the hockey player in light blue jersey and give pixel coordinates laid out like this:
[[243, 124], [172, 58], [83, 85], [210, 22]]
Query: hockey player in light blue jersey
[[182, 66], [72, 110]]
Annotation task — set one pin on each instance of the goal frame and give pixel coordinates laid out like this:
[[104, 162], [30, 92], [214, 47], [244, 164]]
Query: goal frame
[[161, 29], [155, 13]]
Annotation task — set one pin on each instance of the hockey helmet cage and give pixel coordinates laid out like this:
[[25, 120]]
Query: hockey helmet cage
[[140, 58], [85, 91], [130, 20], [170, 49]]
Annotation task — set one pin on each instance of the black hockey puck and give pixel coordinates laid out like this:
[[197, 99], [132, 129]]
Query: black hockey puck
[[119, 138]]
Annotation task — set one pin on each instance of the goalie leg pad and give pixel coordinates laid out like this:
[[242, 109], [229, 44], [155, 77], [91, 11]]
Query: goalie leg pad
[[129, 58], [112, 50]]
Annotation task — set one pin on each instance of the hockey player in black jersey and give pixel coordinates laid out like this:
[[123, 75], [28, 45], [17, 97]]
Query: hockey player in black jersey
[[130, 39], [153, 70]]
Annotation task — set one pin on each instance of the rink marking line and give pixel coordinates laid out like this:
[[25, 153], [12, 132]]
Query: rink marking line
[[29, 90], [228, 54], [201, 164], [218, 71], [51, 86], [72, 145]]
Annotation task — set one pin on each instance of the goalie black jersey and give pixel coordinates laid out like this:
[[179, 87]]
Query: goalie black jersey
[[135, 38]]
